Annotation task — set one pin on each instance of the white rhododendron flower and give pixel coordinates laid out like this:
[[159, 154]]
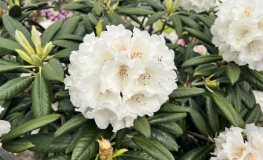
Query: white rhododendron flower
[[198, 5], [231, 144], [5, 126], [238, 32], [120, 75]]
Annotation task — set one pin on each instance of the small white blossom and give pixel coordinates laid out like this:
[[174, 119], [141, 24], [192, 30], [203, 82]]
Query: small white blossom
[[237, 32], [231, 144], [120, 75], [198, 5]]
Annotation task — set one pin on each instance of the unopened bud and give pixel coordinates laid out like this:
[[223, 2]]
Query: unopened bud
[[36, 40], [175, 5], [46, 50], [168, 5], [25, 57], [213, 84], [114, 7], [99, 28], [37, 59], [24, 43], [106, 150]]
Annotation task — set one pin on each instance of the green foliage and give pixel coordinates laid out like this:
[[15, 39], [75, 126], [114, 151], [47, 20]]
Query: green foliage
[[212, 94]]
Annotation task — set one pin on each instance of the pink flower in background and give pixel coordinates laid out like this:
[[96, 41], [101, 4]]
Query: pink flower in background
[[57, 1], [53, 16], [181, 42], [200, 49]]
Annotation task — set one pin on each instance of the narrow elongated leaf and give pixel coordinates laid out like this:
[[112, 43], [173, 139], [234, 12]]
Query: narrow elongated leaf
[[74, 6], [66, 106], [205, 20], [10, 45], [136, 155], [93, 19], [50, 32], [71, 125], [172, 108], [24, 103], [199, 35], [53, 70], [31, 125], [257, 75], [8, 68], [234, 96], [62, 94], [212, 115], [115, 18], [41, 97], [128, 143], [97, 8], [71, 37], [233, 72], [247, 99], [186, 92], [156, 16], [74, 138], [3, 5], [66, 43], [200, 153], [199, 122], [5, 104], [154, 148], [10, 117], [65, 53], [120, 136], [190, 22], [60, 157], [134, 11], [154, 4], [165, 118], [87, 146], [253, 115], [17, 146], [177, 25], [12, 25], [205, 70], [252, 80], [165, 138], [226, 108], [46, 143], [201, 60], [14, 87], [171, 127], [142, 126]]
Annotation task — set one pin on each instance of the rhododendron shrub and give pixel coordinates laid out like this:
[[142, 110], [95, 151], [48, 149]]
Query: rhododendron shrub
[[132, 79]]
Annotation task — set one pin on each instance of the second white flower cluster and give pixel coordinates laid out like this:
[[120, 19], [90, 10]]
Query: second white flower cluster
[[231, 145], [238, 32], [120, 75]]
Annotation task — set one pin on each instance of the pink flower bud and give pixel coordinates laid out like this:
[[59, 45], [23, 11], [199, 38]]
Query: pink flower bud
[[200, 49], [181, 42]]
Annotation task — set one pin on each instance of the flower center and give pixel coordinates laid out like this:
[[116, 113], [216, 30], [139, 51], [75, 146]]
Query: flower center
[[137, 55], [145, 77], [249, 12], [123, 72], [138, 99]]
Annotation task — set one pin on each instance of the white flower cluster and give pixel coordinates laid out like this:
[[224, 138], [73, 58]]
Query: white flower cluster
[[198, 5], [5, 126], [120, 75], [238, 32], [231, 145]]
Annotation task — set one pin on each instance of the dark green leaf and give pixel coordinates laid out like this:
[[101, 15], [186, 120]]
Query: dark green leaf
[[4, 6], [5, 104], [41, 97], [205, 70], [165, 118], [136, 155], [154, 4], [71, 37], [71, 125], [155, 17], [247, 99], [46, 143], [14, 87], [186, 93], [50, 32], [97, 8], [232, 72], [190, 22], [65, 53], [15, 11], [201, 60], [253, 115], [205, 20], [53, 70], [66, 43], [234, 96], [31, 125], [87, 146], [8, 68], [172, 108], [165, 138], [66, 106], [10, 45], [23, 104], [17, 146], [62, 94], [73, 6], [120, 136], [171, 127], [142, 126], [134, 11], [60, 157], [199, 35], [177, 25], [257, 75], [10, 117], [200, 153], [212, 115], [154, 148]]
